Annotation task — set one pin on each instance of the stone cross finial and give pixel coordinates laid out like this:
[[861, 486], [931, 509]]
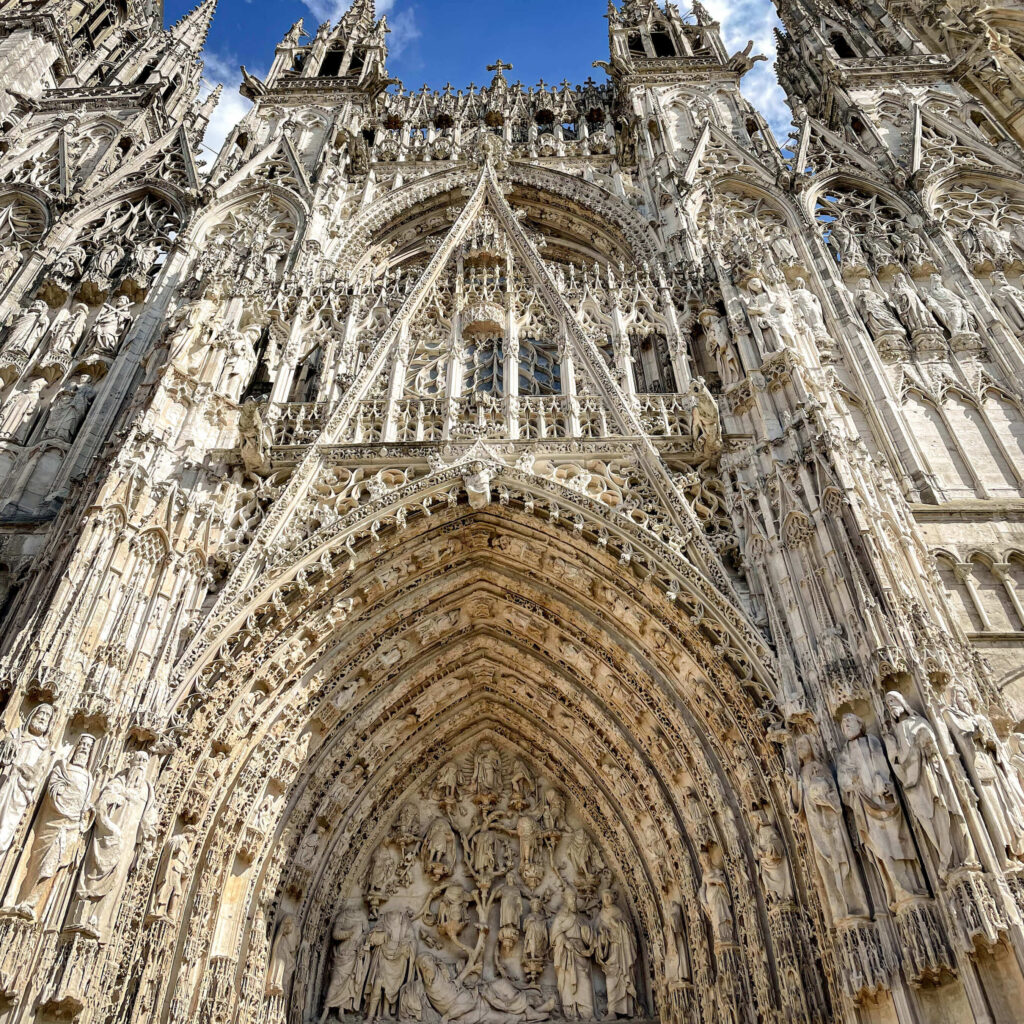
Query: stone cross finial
[[499, 65]]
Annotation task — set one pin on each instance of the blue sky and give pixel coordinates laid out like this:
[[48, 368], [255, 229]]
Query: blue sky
[[439, 41]]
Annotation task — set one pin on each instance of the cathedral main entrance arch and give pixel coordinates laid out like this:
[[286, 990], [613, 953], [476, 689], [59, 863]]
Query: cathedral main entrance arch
[[518, 785]]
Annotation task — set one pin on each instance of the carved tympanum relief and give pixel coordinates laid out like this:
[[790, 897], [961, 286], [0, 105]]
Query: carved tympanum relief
[[488, 900]]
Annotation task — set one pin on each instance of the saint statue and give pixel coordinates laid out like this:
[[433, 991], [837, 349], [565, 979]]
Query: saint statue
[[572, 945], [348, 968], [916, 760], [615, 951], [57, 828], [391, 949], [994, 780], [282, 956], [816, 797], [24, 758], [867, 789], [172, 875], [715, 900], [124, 821], [27, 329]]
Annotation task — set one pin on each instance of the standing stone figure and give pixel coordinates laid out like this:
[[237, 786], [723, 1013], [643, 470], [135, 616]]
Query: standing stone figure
[[58, 826], [572, 942], [949, 309], [773, 862], [348, 969], [67, 329], [124, 821], [815, 795], [282, 956], [1009, 300], [876, 312], [616, 954], [173, 874], [916, 760], [27, 329], [715, 900], [110, 326], [867, 789], [392, 950], [24, 758], [995, 782]]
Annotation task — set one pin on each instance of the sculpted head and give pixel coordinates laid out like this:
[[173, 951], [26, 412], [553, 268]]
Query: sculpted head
[[607, 898], [897, 705], [852, 726], [39, 720], [998, 277], [83, 750], [804, 749], [570, 900], [755, 285], [801, 283]]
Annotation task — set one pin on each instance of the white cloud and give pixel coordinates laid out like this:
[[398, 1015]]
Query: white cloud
[[222, 69], [743, 20]]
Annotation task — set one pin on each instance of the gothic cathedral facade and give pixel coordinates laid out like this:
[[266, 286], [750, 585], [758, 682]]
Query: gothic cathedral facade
[[513, 554]]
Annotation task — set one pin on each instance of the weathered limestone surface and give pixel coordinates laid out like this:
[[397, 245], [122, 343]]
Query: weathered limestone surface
[[513, 554]]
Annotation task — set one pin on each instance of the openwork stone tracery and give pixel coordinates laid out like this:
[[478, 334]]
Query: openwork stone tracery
[[512, 554]]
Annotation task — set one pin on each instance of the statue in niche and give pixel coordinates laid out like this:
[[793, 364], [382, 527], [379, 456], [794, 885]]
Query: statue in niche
[[949, 309], [10, 260], [240, 360], [110, 327], [572, 945], [309, 848], [58, 826], [772, 316], [283, 955], [808, 305], [391, 950], [993, 778], [615, 951], [772, 861], [876, 245], [491, 1002], [994, 240], [27, 329], [815, 796], [715, 900], [439, 850], [486, 780], [67, 329], [705, 424], [718, 345], [911, 308], [349, 963], [68, 265], [68, 410], [24, 758], [867, 789], [1009, 300], [908, 244], [876, 312], [535, 939], [105, 262], [915, 757], [380, 883], [844, 244], [124, 821], [172, 875]]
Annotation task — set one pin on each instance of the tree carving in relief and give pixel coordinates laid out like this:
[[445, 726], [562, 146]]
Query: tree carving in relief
[[487, 900]]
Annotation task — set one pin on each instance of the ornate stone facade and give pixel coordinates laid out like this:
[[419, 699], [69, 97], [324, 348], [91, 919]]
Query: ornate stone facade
[[513, 554]]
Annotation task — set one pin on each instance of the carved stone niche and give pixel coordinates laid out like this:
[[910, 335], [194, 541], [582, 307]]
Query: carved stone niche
[[485, 899]]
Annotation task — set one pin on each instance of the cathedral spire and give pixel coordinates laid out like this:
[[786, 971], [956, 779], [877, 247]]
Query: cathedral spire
[[193, 27]]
